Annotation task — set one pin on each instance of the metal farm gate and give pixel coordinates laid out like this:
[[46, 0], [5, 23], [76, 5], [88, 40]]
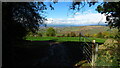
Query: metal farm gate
[[90, 49]]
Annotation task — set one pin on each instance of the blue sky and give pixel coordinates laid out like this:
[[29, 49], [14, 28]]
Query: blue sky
[[62, 16]]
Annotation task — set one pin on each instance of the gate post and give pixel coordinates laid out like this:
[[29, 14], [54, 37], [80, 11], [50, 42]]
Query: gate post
[[94, 52]]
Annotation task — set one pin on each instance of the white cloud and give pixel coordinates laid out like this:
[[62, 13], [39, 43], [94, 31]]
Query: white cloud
[[79, 19], [77, 13]]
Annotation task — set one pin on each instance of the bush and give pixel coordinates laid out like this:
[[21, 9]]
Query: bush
[[40, 34], [100, 35], [63, 35], [79, 35], [94, 35], [50, 31], [72, 34], [87, 35], [68, 35], [111, 43]]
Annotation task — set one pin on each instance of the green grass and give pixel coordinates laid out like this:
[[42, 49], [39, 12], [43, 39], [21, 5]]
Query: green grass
[[63, 39]]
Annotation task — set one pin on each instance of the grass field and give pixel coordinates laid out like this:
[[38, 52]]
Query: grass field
[[63, 39]]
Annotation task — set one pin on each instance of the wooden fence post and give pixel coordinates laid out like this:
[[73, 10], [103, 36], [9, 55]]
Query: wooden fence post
[[93, 47], [94, 52]]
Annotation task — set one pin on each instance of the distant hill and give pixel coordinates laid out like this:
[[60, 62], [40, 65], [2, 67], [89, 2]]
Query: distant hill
[[80, 29]]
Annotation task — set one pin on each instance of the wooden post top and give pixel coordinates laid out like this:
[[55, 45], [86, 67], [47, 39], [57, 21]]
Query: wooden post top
[[93, 41]]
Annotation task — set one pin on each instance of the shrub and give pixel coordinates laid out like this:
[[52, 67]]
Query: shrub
[[63, 35], [72, 34], [79, 35], [94, 35], [68, 35], [50, 32], [106, 33], [40, 34], [87, 35], [100, 35]]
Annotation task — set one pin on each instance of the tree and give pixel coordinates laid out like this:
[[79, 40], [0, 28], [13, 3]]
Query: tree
[[87, 35], [110, 9], [79, 34], [112, 12], [24, 17], [100, 35], [50, 31], [72, 34], [117, 36], [40, 34], [19, 18], [94, 35], [29, 34], [63, 35], [68, 35]]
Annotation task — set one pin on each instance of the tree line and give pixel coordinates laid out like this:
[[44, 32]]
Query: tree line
[[51, 32]]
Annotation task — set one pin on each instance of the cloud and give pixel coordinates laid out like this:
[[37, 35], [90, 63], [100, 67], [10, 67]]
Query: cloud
[[79, 19]]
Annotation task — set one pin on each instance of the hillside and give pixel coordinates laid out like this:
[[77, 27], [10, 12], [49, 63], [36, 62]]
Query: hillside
[[80, 29]]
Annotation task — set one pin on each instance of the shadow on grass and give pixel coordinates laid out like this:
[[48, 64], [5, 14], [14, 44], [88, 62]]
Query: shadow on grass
[[41, 54]]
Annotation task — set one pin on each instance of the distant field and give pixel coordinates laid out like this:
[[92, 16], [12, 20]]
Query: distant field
[[63, 39], [79, 29], [82, 29]]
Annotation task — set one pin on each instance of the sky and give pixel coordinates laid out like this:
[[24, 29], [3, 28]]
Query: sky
[[62, 16]]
